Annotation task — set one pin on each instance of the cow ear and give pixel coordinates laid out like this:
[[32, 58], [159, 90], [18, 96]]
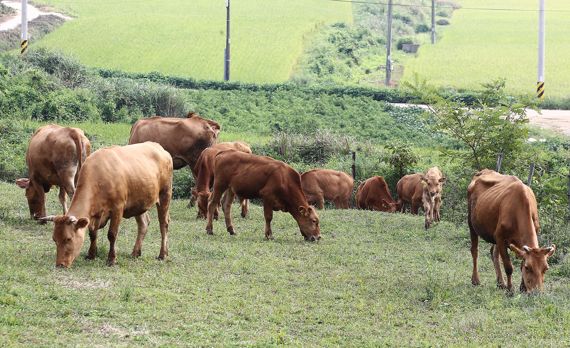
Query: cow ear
[[23, 183], [304, 210], [520, 253], [81, 223]]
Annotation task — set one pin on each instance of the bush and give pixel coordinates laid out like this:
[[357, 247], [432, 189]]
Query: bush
[[422, 28], [442, 21]]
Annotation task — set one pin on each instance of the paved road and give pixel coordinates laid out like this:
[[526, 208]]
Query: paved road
[[33, 13]]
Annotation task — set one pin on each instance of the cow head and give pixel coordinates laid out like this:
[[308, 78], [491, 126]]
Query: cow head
[[202, 198], [389, 207], [212, 128], [308, 221], [35, 195], [68, 235], [432, 185], [533, 266]]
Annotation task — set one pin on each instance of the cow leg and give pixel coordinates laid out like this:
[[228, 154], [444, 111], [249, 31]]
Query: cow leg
[[415, 207], [227, 207], [320, 202], [63, 199], [212, 206], [506, 263], [192, 200], [428, 209], [497, 263], [268, 214], [143, 221], [244, 207], [474, 255], [163, 220], [112, 236], [437, 205], [92, 253]]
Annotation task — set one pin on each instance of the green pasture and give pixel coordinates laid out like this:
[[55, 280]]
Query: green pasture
[[480, 46], [374, 279], [187, 38]]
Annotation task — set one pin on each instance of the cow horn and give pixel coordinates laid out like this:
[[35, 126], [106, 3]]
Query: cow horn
[[526, 248], [72, 219], [46, 218]]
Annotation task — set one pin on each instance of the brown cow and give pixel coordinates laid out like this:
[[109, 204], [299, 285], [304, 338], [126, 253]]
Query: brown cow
[[277, 184], [116, 182], [373, 194], [332, 185], [204, 174], [503, 211], [54, 157], [422, 190], [183, 138]]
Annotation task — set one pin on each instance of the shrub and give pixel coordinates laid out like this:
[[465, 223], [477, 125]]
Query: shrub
[[422, 28], [442, 21]]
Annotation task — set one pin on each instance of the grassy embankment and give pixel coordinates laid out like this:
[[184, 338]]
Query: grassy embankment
[[187, 38], [375, 278], [480, 46]]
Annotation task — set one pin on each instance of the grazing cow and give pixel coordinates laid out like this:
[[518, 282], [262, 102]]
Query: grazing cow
[[54, 157], [116, 182], [183, 138], [373, 194], [325, 184], [277, 184], [422, 190], [204, 174], [503, 211]]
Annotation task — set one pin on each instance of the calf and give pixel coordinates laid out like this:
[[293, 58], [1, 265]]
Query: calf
[[373, 194], [422, 190], [54, 157], [325, 184], [204, 174], [277, 184], [503, 211], [116, 182]]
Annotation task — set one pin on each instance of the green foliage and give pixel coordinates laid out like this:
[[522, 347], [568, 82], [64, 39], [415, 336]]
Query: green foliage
[[401, 157], [422, 28], [494, 125], [442, 21], [402, 41], [13, 145]]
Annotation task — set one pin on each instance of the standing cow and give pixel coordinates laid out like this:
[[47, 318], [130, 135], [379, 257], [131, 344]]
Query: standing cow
[[503, 211], [276, 183], [54, 157], [116, 182], [325, 184], [422, 190], [183, 138], [204, 174], [373, 194]]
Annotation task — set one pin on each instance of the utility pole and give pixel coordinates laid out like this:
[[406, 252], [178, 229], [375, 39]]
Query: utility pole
[[24, 26], [432, 22], [541, 36], [227, 51], [389, 45]]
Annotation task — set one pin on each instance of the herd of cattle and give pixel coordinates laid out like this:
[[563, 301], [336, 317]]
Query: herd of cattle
[[126, 181]]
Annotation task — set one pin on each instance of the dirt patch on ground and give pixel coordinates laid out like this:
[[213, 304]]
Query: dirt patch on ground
[[556, 120], [82, 284]]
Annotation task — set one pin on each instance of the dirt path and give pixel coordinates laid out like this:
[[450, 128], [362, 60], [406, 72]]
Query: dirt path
[[13, 22], [556, 120]]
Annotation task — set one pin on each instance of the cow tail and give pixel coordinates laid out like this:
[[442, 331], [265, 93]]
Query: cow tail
[[79, 148]]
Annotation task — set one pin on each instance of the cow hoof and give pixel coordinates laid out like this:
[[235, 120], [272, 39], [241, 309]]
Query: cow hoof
[[111, 263], [269, 237], [160, 257], [502, 286], [243, 215], [210, 231], [90, 257], [475, 282], [231, 230], [136, 254]]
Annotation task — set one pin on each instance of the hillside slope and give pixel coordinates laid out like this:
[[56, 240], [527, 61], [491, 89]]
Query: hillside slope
[[188, 37]]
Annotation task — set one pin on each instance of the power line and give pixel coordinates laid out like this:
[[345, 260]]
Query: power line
[[451, 7]]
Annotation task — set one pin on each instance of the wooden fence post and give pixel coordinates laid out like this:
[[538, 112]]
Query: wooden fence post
[[530, 174], [354, 165], [499, 162]]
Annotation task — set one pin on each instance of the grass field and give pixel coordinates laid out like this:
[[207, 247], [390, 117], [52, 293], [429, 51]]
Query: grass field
[[480, 46], [188, 37], [374, 279]]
